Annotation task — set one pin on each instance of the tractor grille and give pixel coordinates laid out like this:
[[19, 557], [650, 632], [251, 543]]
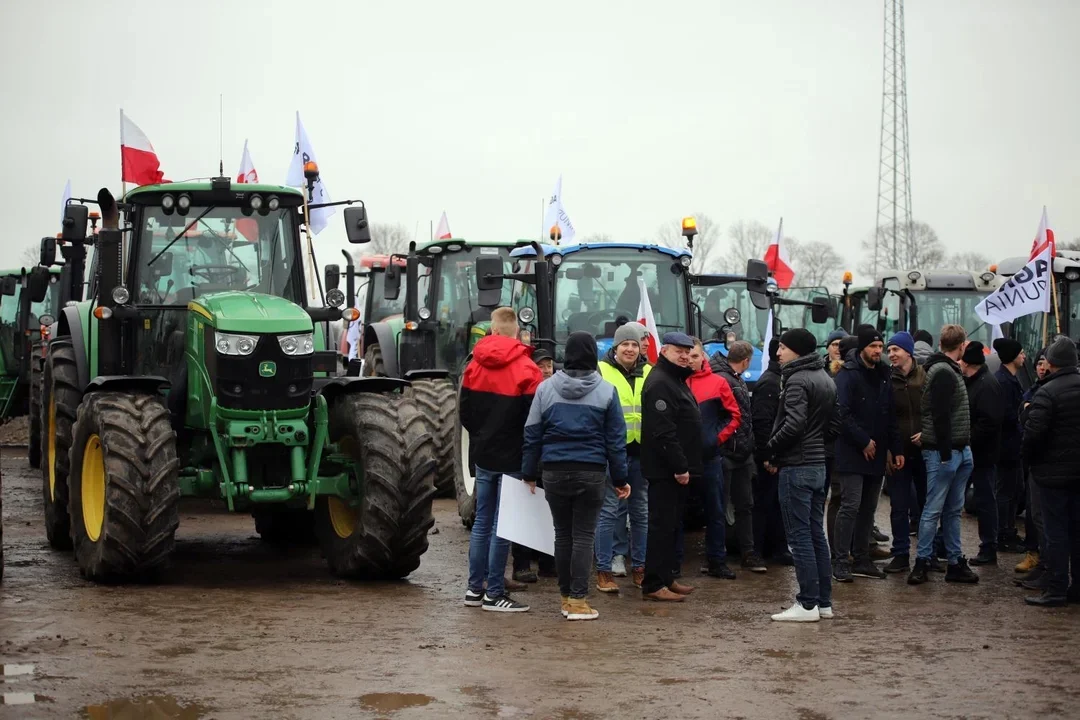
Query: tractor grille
[[239, 385]]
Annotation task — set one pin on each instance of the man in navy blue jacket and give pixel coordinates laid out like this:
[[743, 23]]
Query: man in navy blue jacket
[[868, 430]]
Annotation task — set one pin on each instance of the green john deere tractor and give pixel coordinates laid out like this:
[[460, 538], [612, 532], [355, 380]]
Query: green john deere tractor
[[199, 367]]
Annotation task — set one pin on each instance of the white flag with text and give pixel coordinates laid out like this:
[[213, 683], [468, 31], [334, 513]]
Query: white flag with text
[[556, 216], [302, 154]]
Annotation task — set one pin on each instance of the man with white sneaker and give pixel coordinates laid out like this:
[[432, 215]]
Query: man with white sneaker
[[796, 449]]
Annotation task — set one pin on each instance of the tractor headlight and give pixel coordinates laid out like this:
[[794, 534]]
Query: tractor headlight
[[424, 313], [229, 344], [685, 261], [526, 315], [302, 344], [555, 260], [335, 298], [732, 316], [120, 295]]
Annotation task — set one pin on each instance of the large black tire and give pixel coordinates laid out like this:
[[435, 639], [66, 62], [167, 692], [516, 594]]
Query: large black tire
[[33, 443], [386, 534], [437, 401], [464, 477], [373, 362], [281, 526], [125, 489], [60, 403]]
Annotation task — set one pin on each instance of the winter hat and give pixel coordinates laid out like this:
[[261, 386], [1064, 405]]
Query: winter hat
[[847, 344], [542, 354], [869, 334], [973, 353], [904, 341], [1007, 349], [631, 331], [774, 346], [1062, 353], [799, 340], [580, 352], [924, 336], [838, 334]]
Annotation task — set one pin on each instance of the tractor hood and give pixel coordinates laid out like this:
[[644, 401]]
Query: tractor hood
[[251, 313]]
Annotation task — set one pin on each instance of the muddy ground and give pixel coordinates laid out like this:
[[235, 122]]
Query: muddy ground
[[241, 631]]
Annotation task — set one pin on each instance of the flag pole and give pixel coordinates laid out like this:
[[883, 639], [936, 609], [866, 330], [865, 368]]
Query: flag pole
[[123, 184], [220, 133], [1053, 293], [431, 229]]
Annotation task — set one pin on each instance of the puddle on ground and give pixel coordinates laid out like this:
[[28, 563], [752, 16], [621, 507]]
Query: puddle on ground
[[11, 670], [384, 703], [23, 698], [153, 707]]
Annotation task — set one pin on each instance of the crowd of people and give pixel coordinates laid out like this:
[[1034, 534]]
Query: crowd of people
[[617, 443]]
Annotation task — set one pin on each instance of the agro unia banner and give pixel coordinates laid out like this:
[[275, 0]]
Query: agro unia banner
[[1026, 292]]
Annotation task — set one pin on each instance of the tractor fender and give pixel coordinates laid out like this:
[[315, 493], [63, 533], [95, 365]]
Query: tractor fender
[[70, 326], [382, 334], [414, 375], [351, 385], [152, 384]]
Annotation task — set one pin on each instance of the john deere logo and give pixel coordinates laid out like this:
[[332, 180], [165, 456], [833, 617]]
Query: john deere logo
[[267, 369]]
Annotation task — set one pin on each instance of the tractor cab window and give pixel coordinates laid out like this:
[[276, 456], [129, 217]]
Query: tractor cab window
[[222, 250], [715, 301], [935, 309], [597, 286], [382, 309]]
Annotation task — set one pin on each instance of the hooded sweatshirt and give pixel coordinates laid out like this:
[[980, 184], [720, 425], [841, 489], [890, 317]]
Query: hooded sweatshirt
[[720, 413], [497, 389], [923, 351]]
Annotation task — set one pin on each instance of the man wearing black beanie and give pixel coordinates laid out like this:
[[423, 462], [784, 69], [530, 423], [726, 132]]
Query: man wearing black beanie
[[987, 411], [770, 541], [1010, 473], [869, 431]]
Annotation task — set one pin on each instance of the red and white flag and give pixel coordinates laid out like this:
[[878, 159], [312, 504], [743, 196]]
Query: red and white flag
[[776, 258], [247, 227], [139, 162], [1043, 239], [1029, 289], [645, 317], [442, 231]]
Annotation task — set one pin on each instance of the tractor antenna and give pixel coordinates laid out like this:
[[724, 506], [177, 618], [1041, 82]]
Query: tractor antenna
[[221, 145]]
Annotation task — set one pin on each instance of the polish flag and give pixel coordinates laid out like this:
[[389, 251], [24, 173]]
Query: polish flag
[[1043, 240], [138, 160], [442, 230], [645, 317], [776, 258], [247, 227]]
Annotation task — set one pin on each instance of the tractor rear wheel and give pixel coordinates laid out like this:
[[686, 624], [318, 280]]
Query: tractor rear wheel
[[33, 443], [60, 398], [464, 473], [281, 526], [373, 362], [125, 490], [437, 401], [384, 534]]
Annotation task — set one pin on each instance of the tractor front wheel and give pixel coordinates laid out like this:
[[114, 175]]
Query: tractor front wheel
[[125, 490], [383, 534], [33, 443], [437, 401], [59, 403]]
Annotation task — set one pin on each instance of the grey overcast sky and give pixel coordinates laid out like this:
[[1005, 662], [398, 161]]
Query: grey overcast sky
[[744, 110]]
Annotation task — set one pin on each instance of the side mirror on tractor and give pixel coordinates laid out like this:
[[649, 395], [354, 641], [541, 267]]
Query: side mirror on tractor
[[75, 218], [37, 283], [356, 224], [489, 281], [48, 251], [332, 275], [392, 282], [874, 298], [757, 283], [821, 309], [8, 284]]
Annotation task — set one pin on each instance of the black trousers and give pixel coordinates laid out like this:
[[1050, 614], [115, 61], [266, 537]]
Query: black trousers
[[523, 557], [770, 539], [666, 501]]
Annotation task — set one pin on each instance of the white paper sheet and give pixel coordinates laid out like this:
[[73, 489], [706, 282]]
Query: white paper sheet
[[525, 518]]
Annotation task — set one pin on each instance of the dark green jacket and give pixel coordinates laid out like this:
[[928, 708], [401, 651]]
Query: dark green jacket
[[946, 416]]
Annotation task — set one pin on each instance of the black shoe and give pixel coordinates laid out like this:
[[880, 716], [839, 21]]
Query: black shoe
[[878, 536], [474, 599], [936, 565], [961, 573], [985, 557], [525, 576], [1047, 600], [918, 573], [899, 564], [841, 572], [785, 559], [867, 569], [503, 603], [718, 570], [1012, 546], [753, 563], [1032, 577], [1073, 596], [1039, 583]]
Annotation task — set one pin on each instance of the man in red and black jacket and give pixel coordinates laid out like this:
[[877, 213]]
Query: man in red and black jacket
[[720, 418], [497, 389]]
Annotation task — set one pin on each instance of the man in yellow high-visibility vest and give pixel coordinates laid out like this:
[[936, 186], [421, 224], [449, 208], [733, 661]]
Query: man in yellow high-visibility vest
[[624, 366]]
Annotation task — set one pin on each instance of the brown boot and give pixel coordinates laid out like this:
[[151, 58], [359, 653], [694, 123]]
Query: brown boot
[[663, 595], [565, 605], [578, 609], [639, 576], [1028, 563], [605, 582], [513, 585], [678, 587]]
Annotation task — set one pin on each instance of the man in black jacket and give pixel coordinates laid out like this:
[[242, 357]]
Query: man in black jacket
[[1010, 473], [770, 541], [804, 421], [987, 409], [671, 452], [1051, 447], [738, 451]]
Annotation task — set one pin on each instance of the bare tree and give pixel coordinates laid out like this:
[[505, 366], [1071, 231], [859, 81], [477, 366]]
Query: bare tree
[[597, 238], [921, 249], [747, 240], [816, 263], [707, 242], [387, 238], [1070, 245], [30, 257], [969, 261]]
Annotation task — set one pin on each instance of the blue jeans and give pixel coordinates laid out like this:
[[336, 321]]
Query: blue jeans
[[608, 525], [946, 484], [903, 501], [802, 501], [487, 551], [715, 519]]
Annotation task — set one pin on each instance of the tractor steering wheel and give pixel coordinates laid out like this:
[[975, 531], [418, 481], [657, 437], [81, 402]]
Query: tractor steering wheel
[[215, 273]]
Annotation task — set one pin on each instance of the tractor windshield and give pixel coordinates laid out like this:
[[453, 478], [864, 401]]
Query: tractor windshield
[[715, 301], [596, 286], [223, 250], [937, 308]]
